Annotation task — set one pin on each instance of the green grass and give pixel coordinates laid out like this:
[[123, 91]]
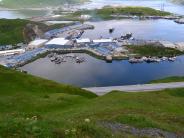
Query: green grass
[[14, 31], [169, 79], [153, 51], [106, 12], [35, 107], [11, 31]]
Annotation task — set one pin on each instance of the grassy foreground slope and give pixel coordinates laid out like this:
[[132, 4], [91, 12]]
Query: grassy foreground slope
[[34, 107]]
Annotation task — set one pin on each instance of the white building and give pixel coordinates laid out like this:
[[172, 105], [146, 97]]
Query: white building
[[37, 43], [83, 40], [103, 41], [11, 52], [59, 43]]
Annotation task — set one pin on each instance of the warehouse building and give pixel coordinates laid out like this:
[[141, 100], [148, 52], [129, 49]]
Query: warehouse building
[[59, 43], [36, 44]]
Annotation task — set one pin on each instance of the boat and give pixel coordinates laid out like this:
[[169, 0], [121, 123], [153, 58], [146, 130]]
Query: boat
[[172, 59], [134, 60], [52, 59], [126, 36], [164, 58], [50, 55], [111, 30], [80, 60]]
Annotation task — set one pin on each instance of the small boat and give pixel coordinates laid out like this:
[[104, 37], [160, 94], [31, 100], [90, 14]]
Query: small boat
[[52, 59], [79, 60], [111, 30], [50, 55], [134, 60], [172, 59], [164, 58], [127, 36], [144, 58]]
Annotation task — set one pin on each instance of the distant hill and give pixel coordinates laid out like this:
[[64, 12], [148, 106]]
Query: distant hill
[[35, 3], [179, 1]]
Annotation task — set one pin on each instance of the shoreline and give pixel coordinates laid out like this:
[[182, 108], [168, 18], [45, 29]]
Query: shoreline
[[66, 51]]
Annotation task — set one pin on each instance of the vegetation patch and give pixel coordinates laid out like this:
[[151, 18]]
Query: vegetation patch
[[149, 50], [14, 31], [169, 79], [107, 12], [137, 121]]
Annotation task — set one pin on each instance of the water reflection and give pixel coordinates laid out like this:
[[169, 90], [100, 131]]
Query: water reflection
[[96, 72]]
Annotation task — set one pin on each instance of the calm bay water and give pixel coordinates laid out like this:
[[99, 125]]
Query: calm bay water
[[144, 29], [96, 72]]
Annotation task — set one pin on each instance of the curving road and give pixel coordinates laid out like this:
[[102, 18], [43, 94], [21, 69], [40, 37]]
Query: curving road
[[136, 88]]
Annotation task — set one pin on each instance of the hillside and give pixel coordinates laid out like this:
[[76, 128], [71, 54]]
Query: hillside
[[35, 107], [14, 31], [36, 3]]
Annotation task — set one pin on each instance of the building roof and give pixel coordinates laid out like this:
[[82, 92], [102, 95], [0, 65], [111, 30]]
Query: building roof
[[102, 40], [12, 51], [84, 40], [38, 42], [58, 41]]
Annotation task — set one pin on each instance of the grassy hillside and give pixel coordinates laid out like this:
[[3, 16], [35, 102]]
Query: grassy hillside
[[36, 3], [34, 107], [153, 51], [13, 31], [106, 12]]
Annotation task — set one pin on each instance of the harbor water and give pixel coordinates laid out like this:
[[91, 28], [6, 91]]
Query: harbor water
[[166, 30], [95, 72]]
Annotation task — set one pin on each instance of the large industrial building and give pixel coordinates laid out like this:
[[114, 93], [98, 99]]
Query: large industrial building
[[59, 43]]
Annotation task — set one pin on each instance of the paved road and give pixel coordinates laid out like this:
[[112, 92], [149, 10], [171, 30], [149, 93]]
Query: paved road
[[136, 88]]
